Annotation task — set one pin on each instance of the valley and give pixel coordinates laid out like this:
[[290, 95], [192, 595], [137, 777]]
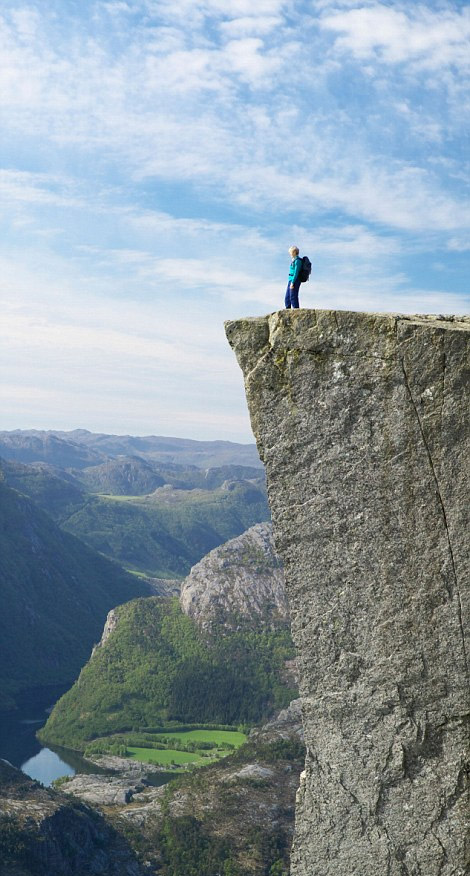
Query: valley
[[147, 512], [195, 653], [163, 662]]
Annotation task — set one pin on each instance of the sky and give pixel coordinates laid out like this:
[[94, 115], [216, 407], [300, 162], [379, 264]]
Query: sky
[[157, 160]]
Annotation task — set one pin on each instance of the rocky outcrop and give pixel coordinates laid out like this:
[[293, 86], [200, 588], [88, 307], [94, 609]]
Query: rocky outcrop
[[42, 832], [284, 725], [164, 586], [238, 584], [109, 627], [362, 423], [103, 790]]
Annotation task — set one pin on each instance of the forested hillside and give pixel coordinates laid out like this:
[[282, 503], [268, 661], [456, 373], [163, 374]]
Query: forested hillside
[[56, 593], [170, 530], [157, 668], [161, 533]]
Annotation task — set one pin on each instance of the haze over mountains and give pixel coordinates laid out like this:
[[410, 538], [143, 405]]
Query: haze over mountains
[[156, 512], [145, 513], [80, 449]]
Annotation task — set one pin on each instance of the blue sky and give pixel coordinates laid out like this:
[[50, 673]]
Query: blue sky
[[158, 159]]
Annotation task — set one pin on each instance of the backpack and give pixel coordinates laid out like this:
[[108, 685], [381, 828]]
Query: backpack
[[305, 269]]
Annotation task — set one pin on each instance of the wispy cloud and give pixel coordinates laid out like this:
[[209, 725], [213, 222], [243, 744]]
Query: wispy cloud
[[160, 157], [427, 38]]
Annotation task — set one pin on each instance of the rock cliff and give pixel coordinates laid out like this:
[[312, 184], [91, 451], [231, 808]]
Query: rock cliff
[[237, 585], [362, 423]]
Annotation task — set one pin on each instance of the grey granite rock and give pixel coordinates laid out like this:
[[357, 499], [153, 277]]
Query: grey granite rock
[[126, 767], [238, 584], [103, 790], [362, 423], [285, 725], [45, 833]]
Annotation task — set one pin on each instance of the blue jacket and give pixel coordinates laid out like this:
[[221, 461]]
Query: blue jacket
[[294, 269]]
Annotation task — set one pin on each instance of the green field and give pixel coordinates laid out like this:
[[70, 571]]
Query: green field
[[231, 737], [220, 738], [165, 757]]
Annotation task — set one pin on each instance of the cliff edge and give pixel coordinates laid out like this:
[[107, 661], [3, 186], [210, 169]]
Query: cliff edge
[[362, 423]]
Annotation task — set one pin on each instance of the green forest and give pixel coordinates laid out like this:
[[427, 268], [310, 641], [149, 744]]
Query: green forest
[[56, 593], [157, 671], [168, 533], [161, 534]]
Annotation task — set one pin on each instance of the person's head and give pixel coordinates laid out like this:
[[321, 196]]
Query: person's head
[[293, 251]]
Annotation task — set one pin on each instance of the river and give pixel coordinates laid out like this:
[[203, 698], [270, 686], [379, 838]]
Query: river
[[18, 743]]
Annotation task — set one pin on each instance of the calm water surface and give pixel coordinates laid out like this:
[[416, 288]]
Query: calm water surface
[[18, 743]]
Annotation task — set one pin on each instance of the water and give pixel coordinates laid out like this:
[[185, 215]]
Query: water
[[47, 766], [18, 743]]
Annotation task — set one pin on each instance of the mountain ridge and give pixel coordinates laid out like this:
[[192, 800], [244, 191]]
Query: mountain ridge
[[35, 445]]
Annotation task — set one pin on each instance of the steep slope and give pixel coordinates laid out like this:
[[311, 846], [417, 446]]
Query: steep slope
[[55, 594], [157, 665], [156, 669], [55, 491], [43, 832], [238, 585], [362, 422]]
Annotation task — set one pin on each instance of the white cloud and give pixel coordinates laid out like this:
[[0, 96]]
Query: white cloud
[[250, 25], [175, 114], [24, 187], [181, 151], [459, 244], [245, 57], [431, 39]]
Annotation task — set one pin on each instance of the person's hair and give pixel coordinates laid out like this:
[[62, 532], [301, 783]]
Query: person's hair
[[294, 250]]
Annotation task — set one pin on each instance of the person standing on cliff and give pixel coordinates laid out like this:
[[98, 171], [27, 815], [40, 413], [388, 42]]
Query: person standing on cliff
[[293, 283]]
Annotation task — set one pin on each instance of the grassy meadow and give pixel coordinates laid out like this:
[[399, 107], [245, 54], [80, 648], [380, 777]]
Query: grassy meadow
[[173, 747]]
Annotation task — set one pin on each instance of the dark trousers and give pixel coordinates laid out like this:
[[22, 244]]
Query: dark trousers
[[292, 295]]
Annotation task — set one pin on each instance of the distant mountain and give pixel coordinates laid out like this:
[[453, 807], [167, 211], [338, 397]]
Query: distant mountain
[[156, 664], [55, 595], [134, 476], [33, 446], [165, 533], [80, 448], [124, 476], [161, 533]]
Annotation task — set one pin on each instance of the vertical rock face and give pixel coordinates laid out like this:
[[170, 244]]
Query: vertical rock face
[[362, 423]]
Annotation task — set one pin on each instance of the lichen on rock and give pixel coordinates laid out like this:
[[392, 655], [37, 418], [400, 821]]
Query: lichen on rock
[[362, 423]]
